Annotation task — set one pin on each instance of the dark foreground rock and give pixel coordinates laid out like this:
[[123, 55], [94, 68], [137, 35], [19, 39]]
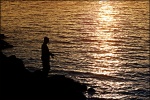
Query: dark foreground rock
[[17, 83]]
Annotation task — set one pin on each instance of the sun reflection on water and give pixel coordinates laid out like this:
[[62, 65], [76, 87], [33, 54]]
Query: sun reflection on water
[[106, 58], [106, 13]]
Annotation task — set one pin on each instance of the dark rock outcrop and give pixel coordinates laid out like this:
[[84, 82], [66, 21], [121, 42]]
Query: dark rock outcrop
[[17, 83]]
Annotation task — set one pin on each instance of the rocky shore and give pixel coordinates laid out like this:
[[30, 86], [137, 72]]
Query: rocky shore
[[18, 83]]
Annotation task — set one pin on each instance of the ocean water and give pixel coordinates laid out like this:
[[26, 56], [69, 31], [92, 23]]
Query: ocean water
[[104, 44]]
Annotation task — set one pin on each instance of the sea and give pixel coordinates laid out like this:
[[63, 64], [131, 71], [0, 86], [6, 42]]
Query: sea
[[102, 43]]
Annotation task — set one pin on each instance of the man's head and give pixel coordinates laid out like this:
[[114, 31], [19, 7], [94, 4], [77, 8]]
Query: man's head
[[46, 40]]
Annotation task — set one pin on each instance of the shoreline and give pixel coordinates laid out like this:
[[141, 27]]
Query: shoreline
[[19, 83]]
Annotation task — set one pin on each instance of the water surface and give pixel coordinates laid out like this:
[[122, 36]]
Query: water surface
[[102, 43]]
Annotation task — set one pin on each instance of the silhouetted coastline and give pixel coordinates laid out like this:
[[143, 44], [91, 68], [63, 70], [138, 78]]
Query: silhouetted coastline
[[18, 83]]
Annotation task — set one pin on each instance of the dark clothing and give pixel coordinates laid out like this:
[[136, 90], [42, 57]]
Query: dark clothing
[[45, 53], [45, 59]]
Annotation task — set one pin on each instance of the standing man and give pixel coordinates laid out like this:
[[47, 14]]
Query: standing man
[[46, 57]]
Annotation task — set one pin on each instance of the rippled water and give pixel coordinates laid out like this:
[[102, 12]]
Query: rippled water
[[102, 43]]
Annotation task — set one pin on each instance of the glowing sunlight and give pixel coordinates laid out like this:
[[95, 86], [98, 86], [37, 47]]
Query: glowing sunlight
[[106, 55], [105, 13]]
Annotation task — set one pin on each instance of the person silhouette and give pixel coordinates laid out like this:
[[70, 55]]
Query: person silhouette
[[46, 57]]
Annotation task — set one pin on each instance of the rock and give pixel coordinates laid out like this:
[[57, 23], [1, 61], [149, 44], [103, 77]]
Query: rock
[[17, 83]]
